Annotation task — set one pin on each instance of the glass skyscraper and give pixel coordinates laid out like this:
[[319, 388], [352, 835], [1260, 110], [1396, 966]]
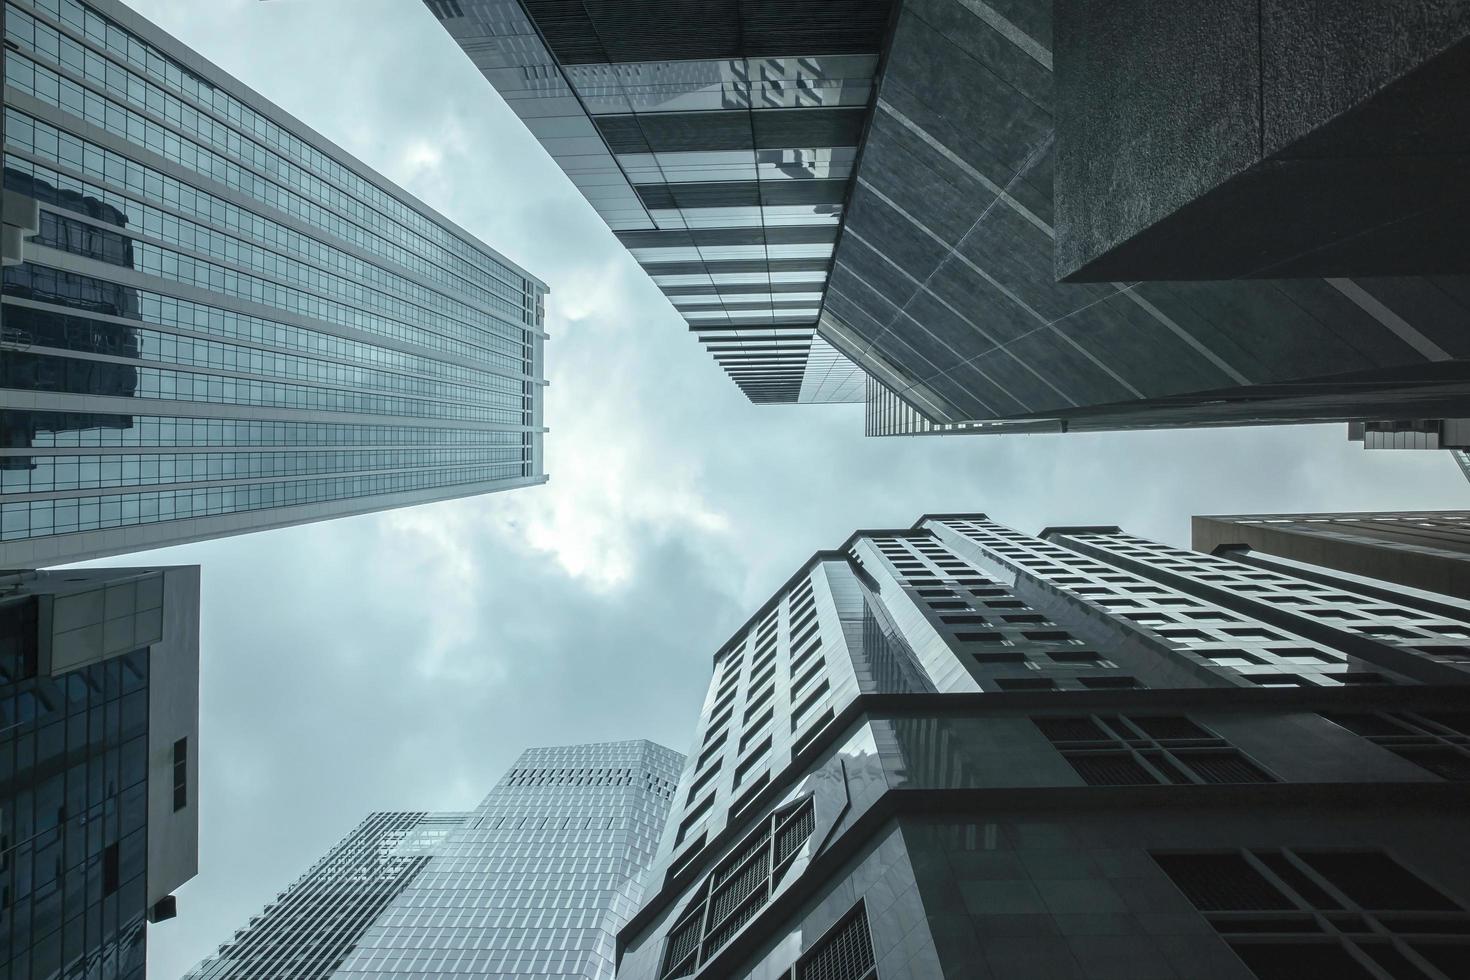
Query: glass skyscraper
[[720, 153], [535, 882], [99, 732], [957, 750], [216, 321]]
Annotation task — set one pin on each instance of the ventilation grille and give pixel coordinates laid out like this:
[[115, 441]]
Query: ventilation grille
[[1224, 767], [846, 953], [1221, 882], [732, 893], [682, 942], [1110, 769], [754, 844], [738, 888], [734, 923], [795, 832]]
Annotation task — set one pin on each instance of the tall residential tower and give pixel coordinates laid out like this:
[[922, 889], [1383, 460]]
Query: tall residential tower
[[1427, 550], [216, 321], [956, 750], [535, 882]]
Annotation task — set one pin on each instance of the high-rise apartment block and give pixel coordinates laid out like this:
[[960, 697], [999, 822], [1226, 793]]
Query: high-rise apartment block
[[1428, 550], [876, 179], [99, 739], [958, 750], [217, 321], [536, 882]]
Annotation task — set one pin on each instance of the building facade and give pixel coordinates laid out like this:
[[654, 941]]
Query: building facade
[[937, 274], [1428, 550], [217, 321], [535, 882], [99, 816], [312, 925], [957, 750], [717, 143]]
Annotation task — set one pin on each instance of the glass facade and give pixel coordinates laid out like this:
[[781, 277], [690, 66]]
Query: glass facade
[[230, 273], [81, 758], [540, 878], [719, 148], [313, 924], [535, 882], [957, 749]]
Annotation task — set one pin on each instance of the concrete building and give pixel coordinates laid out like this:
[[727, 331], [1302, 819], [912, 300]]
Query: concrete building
[[956, 750], [216, 321], [99, 815], [535, 882], [934, 130], [1427, 550], [1318, 141]]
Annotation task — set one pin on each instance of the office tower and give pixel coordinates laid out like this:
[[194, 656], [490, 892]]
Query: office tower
[[315, 922], [216, 321], [1426, 550], [99, 691], [942, 282], [719, 152], [535, 882], [958, 750]]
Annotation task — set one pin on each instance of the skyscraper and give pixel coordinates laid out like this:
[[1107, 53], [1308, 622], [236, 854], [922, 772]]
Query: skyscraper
[[958, 750], [99, 737], [535, 882], [940, 119], [721, 154], [217, 321], [1418, 549]]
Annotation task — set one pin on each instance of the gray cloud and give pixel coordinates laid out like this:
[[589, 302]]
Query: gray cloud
[[402, 660]]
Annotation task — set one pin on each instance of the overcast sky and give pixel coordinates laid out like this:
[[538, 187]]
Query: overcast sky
[[402, 660]]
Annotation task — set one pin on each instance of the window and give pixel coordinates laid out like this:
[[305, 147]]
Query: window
[[1082, 658], [1025, 683], [1286, 888], [759, 757], [756, 727], [703, 781], [1275, 680], [819, 723], [1133, 750], [1004, 657], [111, 869], [1107, 683], [810, 702], [181, 774], [694, 819]]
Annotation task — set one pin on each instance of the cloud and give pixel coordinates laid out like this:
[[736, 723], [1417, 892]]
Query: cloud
[[402, 660]]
